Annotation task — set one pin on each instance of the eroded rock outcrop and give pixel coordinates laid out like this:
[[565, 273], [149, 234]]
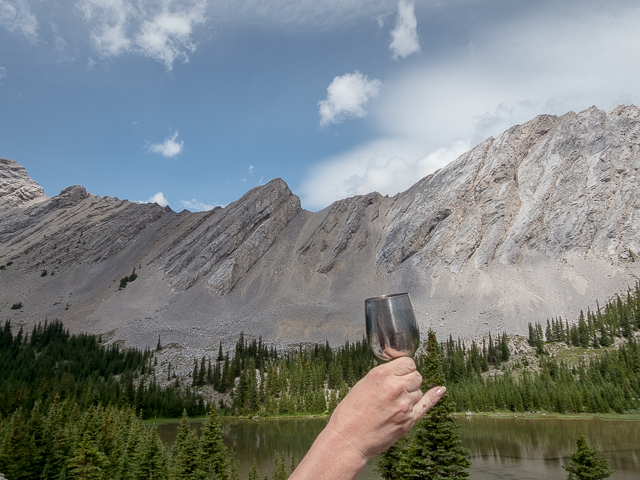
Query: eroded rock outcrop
[[561, 186], [16, 187], [225, 243]]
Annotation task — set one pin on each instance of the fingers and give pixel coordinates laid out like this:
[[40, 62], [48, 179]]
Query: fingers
[[413, 381], [402, 366], [428, 401]]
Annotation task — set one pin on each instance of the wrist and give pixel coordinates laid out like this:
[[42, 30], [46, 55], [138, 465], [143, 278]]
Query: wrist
[[331, 456]]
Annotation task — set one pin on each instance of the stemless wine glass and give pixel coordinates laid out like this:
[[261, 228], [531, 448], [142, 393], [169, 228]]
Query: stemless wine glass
[[392, 329]]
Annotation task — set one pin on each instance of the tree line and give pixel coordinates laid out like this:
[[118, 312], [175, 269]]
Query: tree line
[[50, 363], [66, 441]]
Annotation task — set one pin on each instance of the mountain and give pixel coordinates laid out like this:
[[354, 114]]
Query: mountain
[[538, 222]]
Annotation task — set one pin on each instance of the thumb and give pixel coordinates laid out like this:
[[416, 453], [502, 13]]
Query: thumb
[[428, 401]]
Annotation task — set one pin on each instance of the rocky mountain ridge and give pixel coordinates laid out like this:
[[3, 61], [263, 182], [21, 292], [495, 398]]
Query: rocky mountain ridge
[[538, 222]]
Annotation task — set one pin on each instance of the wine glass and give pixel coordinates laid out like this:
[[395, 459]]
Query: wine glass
[[392, 329]]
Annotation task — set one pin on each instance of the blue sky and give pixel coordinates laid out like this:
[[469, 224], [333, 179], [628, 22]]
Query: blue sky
[[193, 102]]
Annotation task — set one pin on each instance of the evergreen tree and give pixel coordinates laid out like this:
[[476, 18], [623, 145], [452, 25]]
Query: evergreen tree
[[434, 452], [88, 460], [388, 462], [253, 472], [185, 457], [213, 451], [585, 463], [150, 458]]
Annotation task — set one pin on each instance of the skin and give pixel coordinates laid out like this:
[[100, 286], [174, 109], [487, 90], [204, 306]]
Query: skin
[[379, 409]]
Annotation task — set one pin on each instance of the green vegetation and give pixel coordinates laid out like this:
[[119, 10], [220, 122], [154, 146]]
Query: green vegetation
[[309, 380], [434, 451], [127, 279], [51, 364], [592, 366], [16, 306], [65, 441], [72, 405], [585, 463]]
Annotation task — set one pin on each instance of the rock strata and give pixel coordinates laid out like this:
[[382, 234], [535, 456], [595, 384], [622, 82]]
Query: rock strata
[[541, 221], [16, 187]]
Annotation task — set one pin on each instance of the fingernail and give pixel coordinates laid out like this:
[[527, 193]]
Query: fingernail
[[440, 391]]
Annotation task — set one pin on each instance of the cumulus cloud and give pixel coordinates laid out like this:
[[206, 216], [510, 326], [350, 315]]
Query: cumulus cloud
[[404, 37], [161, 30], [158, 198], [169, 148], [386, 166], [16, 16], [195, 205], [346, 97]]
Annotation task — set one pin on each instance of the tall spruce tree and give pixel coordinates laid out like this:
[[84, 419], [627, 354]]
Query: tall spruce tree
[[387, 463], [435, 452], [185, 457], [585, 463], [213, 450]]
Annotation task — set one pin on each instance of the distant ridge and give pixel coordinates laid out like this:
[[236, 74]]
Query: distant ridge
[[535, 223]]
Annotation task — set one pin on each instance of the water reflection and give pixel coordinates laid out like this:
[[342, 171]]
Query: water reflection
[[501, 448], [528, 448]]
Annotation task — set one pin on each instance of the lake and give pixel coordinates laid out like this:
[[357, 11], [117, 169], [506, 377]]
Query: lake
[[501, 448]]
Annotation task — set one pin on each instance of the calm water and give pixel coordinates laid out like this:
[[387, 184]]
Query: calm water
[[501, 448]]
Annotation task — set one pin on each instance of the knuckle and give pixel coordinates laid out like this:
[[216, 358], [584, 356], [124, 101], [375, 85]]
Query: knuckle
[[404, 405]]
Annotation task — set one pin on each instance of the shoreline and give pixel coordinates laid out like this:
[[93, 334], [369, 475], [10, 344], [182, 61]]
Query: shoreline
[[634, 417]]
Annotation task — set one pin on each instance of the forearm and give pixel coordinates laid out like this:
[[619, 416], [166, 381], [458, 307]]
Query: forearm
[[331, 457]]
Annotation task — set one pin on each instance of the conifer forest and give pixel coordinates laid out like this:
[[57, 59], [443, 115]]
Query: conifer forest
[[73, 406]]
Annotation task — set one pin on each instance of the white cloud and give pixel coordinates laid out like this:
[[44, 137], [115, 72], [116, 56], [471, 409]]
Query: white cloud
[[15, 15], [169, 148], [547, 61], [387, 166], [248, 175], [196, 205], [3, 72], [161, 30], [346, 97], [158, 198], [404, 37]]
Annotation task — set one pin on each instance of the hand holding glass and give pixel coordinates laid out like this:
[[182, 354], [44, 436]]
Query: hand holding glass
[[392, 329]]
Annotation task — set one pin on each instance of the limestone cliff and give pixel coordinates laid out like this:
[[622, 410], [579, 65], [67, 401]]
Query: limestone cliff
[[16, 187], [538, 222]]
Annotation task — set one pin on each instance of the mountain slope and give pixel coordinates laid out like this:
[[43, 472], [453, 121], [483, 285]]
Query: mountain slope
[[535, 223]]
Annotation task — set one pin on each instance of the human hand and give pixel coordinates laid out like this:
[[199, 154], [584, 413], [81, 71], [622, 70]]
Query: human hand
[[382, 407]]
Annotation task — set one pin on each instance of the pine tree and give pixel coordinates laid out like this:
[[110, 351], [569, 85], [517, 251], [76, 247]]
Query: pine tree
[[185, 457], [585, 463], [279, 467], [213, 450], [435, 452], [150, 458], [387, 463], [253, 472], [89, 460]]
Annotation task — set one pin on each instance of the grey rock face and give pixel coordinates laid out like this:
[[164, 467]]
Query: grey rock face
[[16, 187], [227, 242], [562, 187], [541, 221]]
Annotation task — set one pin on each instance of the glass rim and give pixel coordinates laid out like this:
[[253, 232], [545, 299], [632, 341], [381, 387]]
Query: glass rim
[[388, 295]]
